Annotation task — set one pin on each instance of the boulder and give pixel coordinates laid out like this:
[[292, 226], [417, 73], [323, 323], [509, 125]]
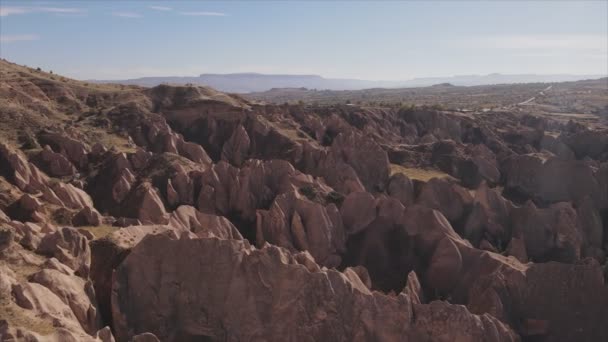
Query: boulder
[[17, 170], [69, 247], [75, 292], [366, 157], [331, 167], [108, 252], [54, 164], [140, 158], [521, 175], [553, 233], [401, 187], [298, 224], [194, 152], [452, 200], [562, 180], [441, 125], [470, 163], [554, 180], [589, 143], [42, 301], [489, 219], [71, 196], [144, 204], [87, 217], [445, 266], [557, 147], [183, 186], [187, 218], [358, 210], [74, 150], [486, 165], [7, 235]]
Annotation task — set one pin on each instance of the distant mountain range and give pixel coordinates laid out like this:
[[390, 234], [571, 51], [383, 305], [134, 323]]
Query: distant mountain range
[[253, 82]]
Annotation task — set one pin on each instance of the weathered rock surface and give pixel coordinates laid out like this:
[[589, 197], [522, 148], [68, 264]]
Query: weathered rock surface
[[54, 164], [144, 204], [299, 224], [265, 303], [550, 181], [75, 151], [553, 233], [236, 149], [69, 247], [401, 187], [452, 200], [42, 300]]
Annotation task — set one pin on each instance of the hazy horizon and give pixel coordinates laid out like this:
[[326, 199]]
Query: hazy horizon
[[390, 41]]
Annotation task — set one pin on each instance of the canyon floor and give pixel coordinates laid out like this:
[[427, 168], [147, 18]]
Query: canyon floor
[[180, 213]]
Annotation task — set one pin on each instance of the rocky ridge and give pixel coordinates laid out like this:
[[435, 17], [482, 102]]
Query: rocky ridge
[[182, 213]]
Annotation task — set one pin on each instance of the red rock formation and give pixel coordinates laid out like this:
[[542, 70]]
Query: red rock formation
[[268, 303]]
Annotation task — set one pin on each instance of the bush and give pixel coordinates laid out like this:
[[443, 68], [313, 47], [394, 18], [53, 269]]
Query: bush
[[63, 216], [406, 109], [28, 141], [309, 192], [335, 197]]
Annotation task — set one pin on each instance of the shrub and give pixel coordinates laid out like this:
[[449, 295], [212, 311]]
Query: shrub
[[309, 192], [28, 141], [63, 216], [335, 197]]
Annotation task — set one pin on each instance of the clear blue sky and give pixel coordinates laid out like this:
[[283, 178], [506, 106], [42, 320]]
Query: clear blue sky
[[369, 40]]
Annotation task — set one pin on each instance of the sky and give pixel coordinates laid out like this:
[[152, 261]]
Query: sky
[[393, 40]]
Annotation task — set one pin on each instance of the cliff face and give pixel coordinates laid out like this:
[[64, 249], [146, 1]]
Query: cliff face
[[183, 213]]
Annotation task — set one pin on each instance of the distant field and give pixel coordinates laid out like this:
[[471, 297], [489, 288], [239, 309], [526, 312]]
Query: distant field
[[584, 97], [418, 174]]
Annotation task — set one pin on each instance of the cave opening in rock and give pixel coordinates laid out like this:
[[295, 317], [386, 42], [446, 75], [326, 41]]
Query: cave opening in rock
[[246, 227], [379, 248]]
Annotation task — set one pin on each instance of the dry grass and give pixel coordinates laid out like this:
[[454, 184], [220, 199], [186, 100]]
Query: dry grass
[[418, 174], [110, 140], [100, 231], [292, 133], [16, 315], [20, 317], [8, 193]]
